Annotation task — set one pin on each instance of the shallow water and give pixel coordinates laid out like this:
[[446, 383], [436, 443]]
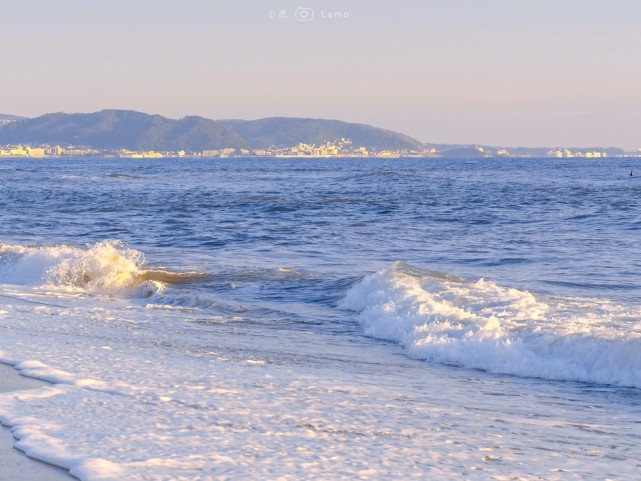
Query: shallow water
[[326, 319]]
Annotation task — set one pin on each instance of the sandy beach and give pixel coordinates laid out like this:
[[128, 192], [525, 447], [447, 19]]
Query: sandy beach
[[15, 465]]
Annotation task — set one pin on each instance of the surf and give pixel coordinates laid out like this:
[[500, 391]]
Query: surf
[[107, 267], [483, 325]]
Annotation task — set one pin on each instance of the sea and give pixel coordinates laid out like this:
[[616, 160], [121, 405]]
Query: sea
[[327, 319]]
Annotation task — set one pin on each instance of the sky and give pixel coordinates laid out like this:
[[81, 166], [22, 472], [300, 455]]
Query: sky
[[491, 72]]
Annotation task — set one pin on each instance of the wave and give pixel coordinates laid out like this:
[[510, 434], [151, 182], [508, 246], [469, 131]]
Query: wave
[[105, 267], [115, 175], [483, 325], [171, 277]]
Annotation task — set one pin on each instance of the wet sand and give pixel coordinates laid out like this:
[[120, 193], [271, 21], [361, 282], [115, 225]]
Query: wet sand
[[14, 464]]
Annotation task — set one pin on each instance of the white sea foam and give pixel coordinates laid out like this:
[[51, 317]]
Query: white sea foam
[[168, 395], [483, 325], [106, 267]]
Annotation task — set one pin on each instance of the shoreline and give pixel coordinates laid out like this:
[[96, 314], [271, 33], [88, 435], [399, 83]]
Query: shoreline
[[14, 464]]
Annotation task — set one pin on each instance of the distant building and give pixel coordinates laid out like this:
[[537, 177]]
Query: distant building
[[35, 152], [56, 150], [388, 155], [18, 151], [152, 155]]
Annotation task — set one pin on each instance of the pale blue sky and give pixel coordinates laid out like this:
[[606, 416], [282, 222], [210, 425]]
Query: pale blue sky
[[508, 72]]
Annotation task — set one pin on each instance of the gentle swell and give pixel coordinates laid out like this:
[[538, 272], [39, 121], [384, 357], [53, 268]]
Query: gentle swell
[[483, 325]]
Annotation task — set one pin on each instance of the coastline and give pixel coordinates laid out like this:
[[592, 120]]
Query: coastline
[[14, 464]]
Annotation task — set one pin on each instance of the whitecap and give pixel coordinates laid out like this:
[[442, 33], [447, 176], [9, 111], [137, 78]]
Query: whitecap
[[484, 325]]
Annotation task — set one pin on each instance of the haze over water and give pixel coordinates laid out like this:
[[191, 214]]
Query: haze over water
[[324, 319]]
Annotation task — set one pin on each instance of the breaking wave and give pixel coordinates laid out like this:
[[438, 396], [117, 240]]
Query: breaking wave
[[105, 267], [483, 325]]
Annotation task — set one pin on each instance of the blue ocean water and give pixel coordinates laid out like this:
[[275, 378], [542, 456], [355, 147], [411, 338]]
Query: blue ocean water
[[548, 226], [511, 274], [567, 227]]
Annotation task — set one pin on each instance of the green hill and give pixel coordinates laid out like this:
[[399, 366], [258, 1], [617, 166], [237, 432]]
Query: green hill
[[116, 129], [283, 131], [10, 118]]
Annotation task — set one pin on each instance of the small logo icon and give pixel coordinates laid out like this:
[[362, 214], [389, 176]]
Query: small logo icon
[[304, 14]]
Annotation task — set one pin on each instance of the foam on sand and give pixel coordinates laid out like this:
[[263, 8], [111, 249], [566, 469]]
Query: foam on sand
[[483, 325], [145, 394], [15, 466]]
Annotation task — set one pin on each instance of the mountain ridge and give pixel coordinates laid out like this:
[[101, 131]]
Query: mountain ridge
[[280, 131], [121, 129], [129, 129]]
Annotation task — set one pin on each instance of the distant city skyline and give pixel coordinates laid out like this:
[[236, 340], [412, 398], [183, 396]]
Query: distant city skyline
[[510, 73]]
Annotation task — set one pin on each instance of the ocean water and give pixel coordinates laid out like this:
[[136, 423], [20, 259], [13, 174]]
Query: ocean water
[[210, 319]]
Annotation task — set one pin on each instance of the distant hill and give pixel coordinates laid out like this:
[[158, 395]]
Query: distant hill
[[116, 129], [128, 129], [10, 118], [463, 153], [282, 131]]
